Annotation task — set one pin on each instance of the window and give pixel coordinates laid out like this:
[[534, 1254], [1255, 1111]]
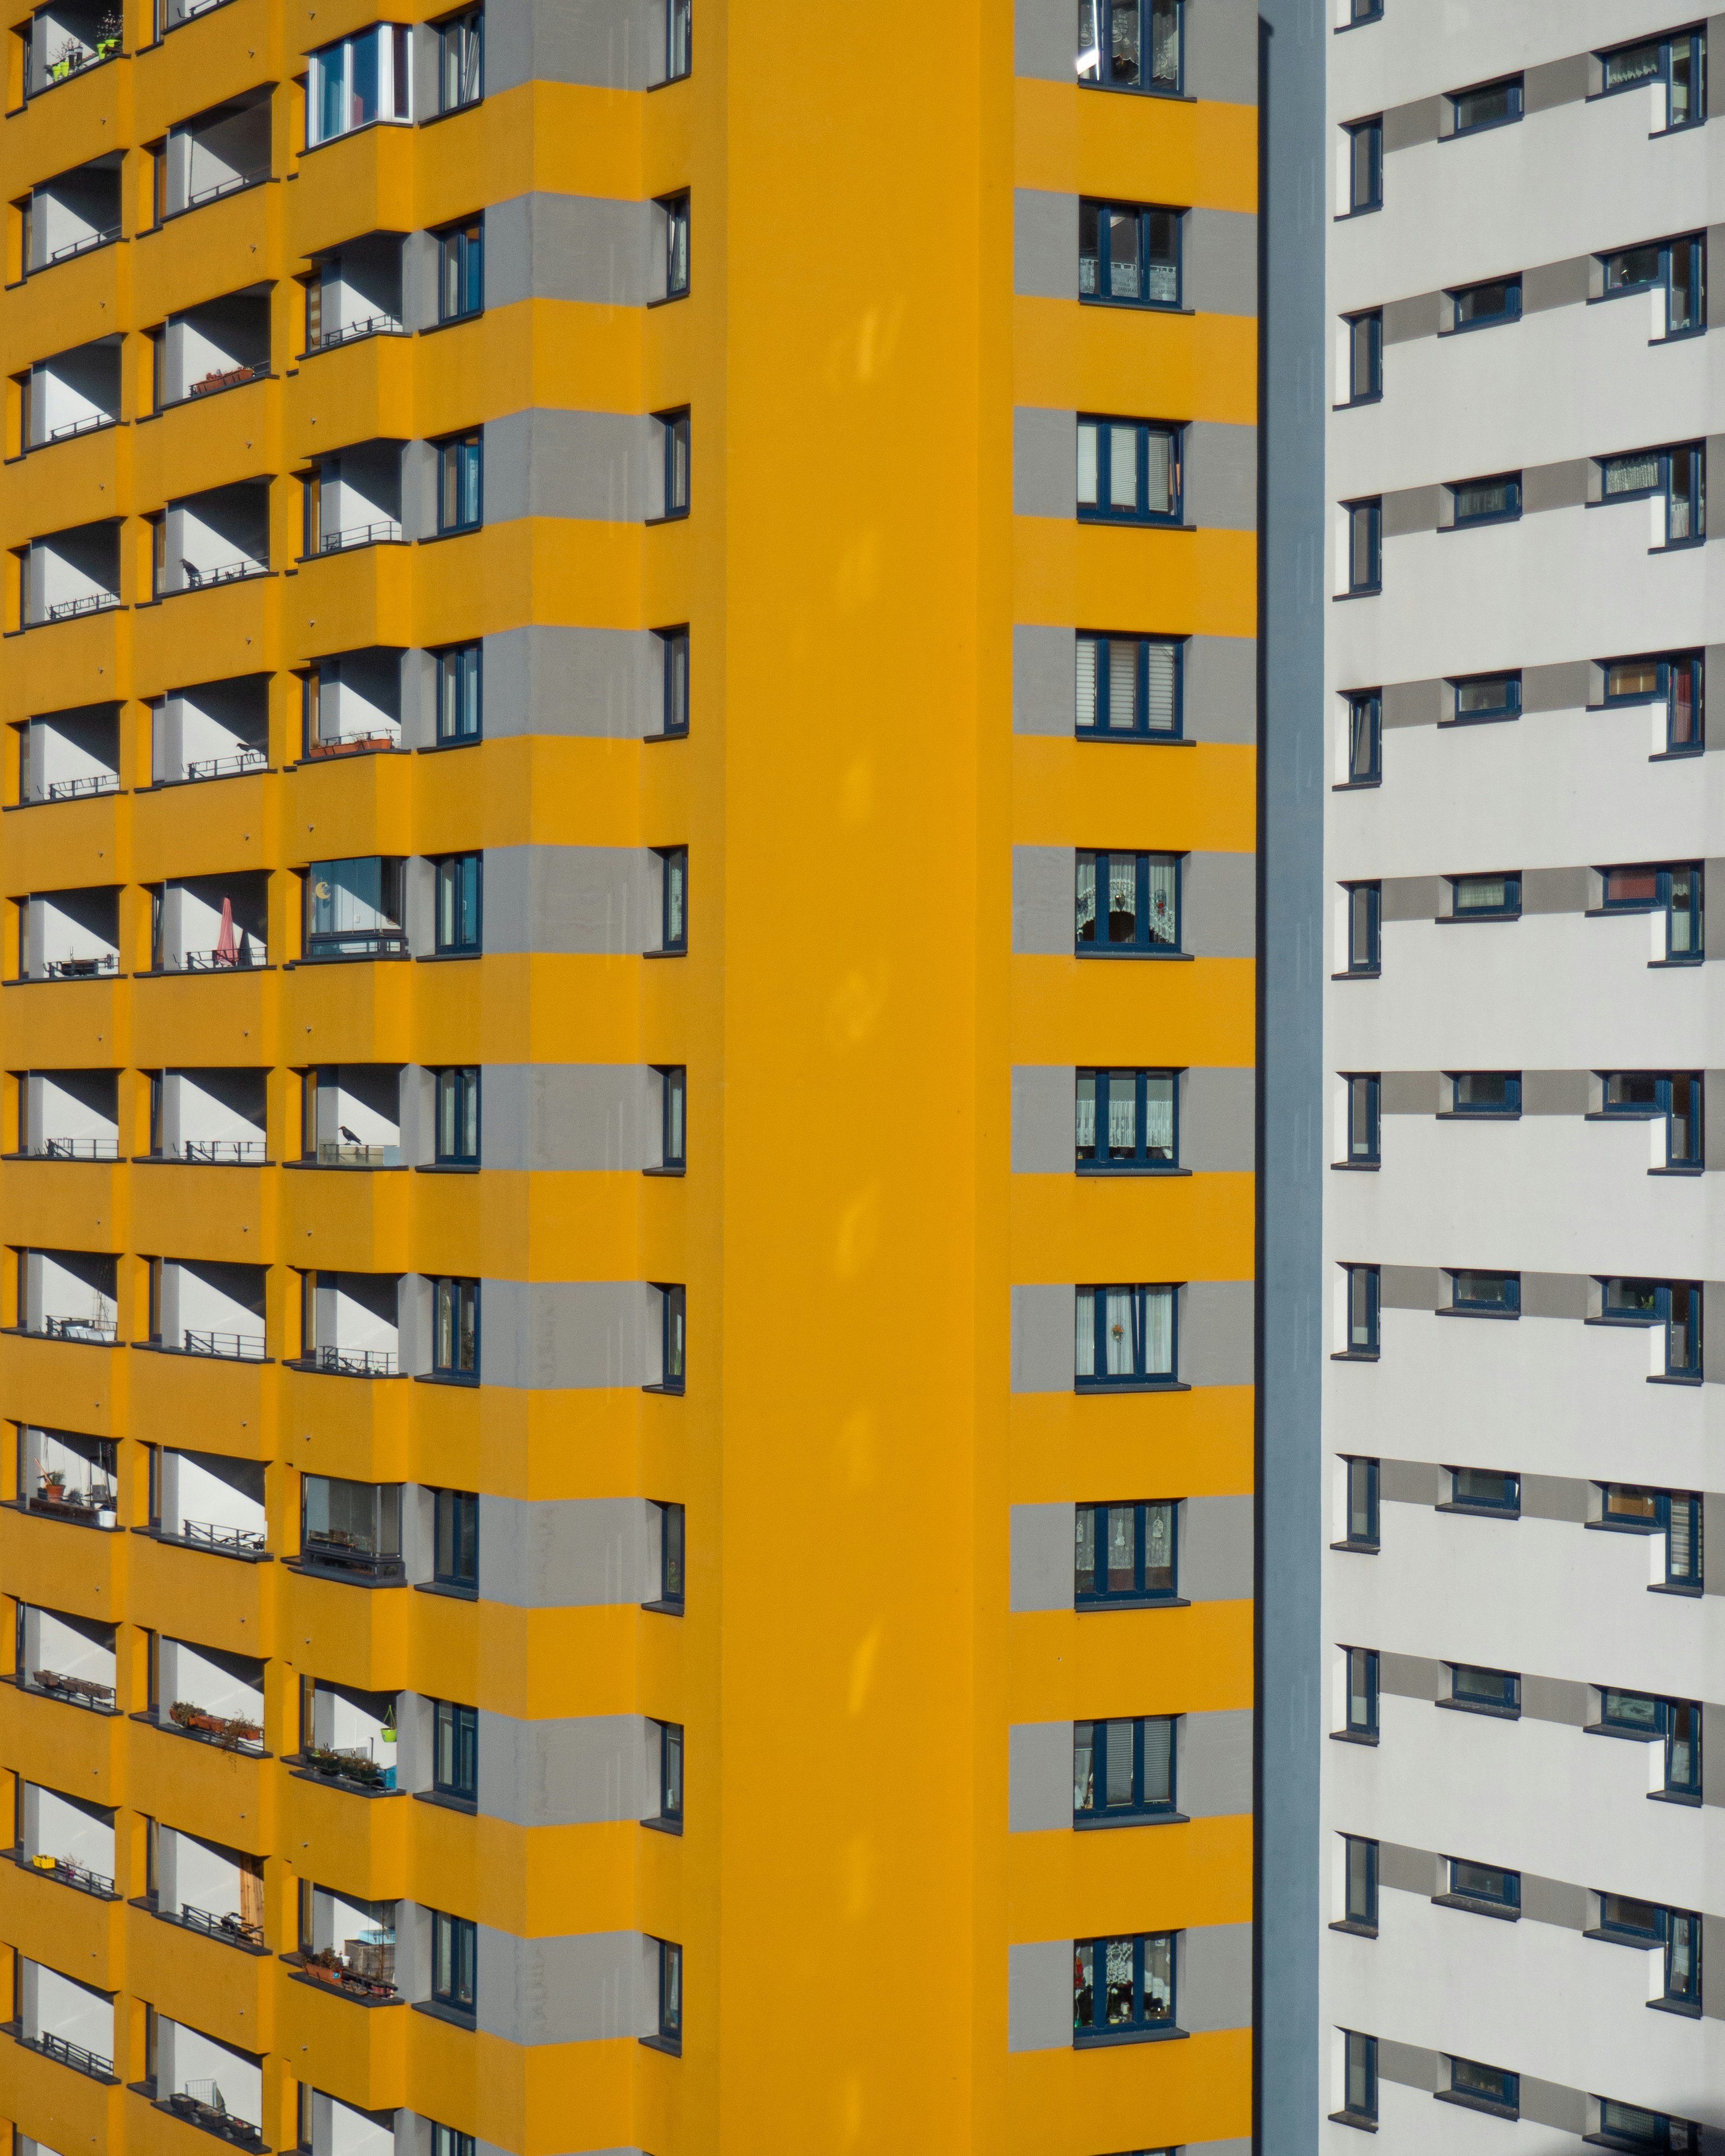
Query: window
[[459, 463], [1623, 2126], [1495, 897], [1674, 680], [1682, 1961], [1677, 1514], [1122, 1770], [1128, 254], [1126, 1120], [1130, 44], [1359, 2075], [1493, 2087], [673, 462], [679, 49], [670, 1597], [461, 49], [671, 1997], [458, 903], [1128, 472], [1362, 1485], [1485, 1489], [1625, 1917], [673, 680], [457, 1143], [454, 1770], [1483, 306], [1674, 1304], [1497, 1293], [673, 898], [1365, 356], [1125, 1336], [1364, 905], [446, 2141], [1360, 1284], [1486, 1093], [1365, 738], [1486, 696], [1499, 1690], [1362, 1677], [1676, 1723], [1677, 892], [1364, 10], [454, 1955], [670, 1773], [1359, 1881], [1364, 186], [673, 1101], [454, 1329], [1676, 267], [458, 673], [1485, 1882], [461, 275], [1363, 1091], [1124, 1553], [1492, 105], [1678, 62], [1122, 1987], [1679, 473], [1676, 1096], [359, 79], [1365, 545], [456, 1528], [1143, 903], [1488, 500], [672, 1303], [1129, 687], [674, 209]]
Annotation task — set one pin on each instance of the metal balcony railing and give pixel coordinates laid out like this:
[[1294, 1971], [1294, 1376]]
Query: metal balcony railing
[[244, 759], [91, 602], [69, 2054], [230, 185], [216, 961], [79, 789], [201, 2102], [232, 1926], [229, 1346], [80, 969], [355, 1362], [222, 1153], [70, 1874], [376, 533], [208, 1534], [79, 1328], [194, 579], [338, 1152], [90, 239], [350, 332], [95, 421], [337, 1552], [76, 1149]]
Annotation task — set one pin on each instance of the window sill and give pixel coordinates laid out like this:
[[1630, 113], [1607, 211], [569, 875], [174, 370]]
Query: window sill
[[1354, 1737], [446, 1167], [66, 1519], [1680, 1588], [673, 1392], [238, 1747], [1082, 1824], [72, 1885], [1694, 1168], [666, 1609], [448, 1588], [1472, 920], [1355, 1167], [1359, 1549], [1132, 1385], [1622, 1939], [1365, 592], [1353, 403], [1138, 89], [315, 1370], [1134, 306], [336, 1578], [1091, 1605], [1359, 973], [1670, 1378], [1481, 1511], [1357, 1355], [1348, 2117], [1624, 1324], [1677, 755], [1473, 1907], [451, 112], [1356, 785], [665, 734], [1365, 209], [1492, 1317], [1626, 1736], [1123, 740], [447, 1378], [1622, 1527], [1355, 1931], [438, 747], [445, 1802], [1111, 1173], [1098, 2039], [1453, 1706], [206, 1549], [1675, 1797], [677, 951], [323, 1166], [447, 957], [1184, 957], [1095, 523], [663, 1826], [672, 2046], [1479, 719], [1475, 2103], [1678, 2006], [1676, 965], [296, 1974], [59, 1699], [438, 2012], [1478, 1116], [665, 1171], [156, 1347]]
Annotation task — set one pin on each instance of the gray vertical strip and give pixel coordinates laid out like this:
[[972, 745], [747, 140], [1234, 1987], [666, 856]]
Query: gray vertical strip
[[1293, 40]]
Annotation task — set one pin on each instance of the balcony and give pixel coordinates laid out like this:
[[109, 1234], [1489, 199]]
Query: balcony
[[68, 1114], [72, 214], [75, 393], [349, 1739], [217, 1891], [65, 2053], [68, 2022], [217, 1697], [352, 1947], [352, 1530], [66, 1872], [69, 1295], [353, 703], [72, 572], [66, 40], [67, 1840], [354, 909], [216, 730], [67, 1477], [215, 153], [69, 935], [353, 498], [208, 1308], [213, 925], [220, 537], [353, 1114], [219, 345], [357, 293]]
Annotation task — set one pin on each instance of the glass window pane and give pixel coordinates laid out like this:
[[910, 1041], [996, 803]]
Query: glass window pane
[[1088, 432], [1125, 46], [1122, 684], [1122, 1114], [1159, 1549], [1121, 1999], [1123, 467], [1122, 898], [1086, 1343], [1159, 1115], [1084, 1552], [1117, 1331], [1159, 711], [1088, 648], [1083, 1766], [1122, 1549], [1123, 234], [1090, 216], [1087, 898], [1158, 1977], [1119, 1754], [1086, 1120], [1159, 1737], [1159, 1331], [1163, 879]]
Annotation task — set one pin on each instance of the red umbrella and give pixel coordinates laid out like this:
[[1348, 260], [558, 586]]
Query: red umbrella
[[226, 952]]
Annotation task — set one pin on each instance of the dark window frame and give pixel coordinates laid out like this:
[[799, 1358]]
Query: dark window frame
[[455, 1328], [1365, 328], [1097, 1515], [460, 482], [1365, 165], [1140, 1378], [1506, 1303], [1512, 85], [1105, 46], [1665, 71], [1370, 509], [455, 1962], [1361, 1497], [1507, 908], [1502, 1694], [1102, 261], [1510, 1105], [461, 268], [455, 1738], [1365, 737], [1680, 684], [1462, 323], [460, 692], [1473, 519], [1507, 706], [1103, 427], [457, 1112], [459, 904], [1361, 1700], [1104, 648], [1140, 2021], [1142, 1160], [1137, 1807]]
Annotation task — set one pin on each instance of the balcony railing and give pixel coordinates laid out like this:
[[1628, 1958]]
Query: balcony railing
[[230, 185], [366, 1971], [76, 1149], [337, 1552], [201, 2102], [356, 943], [355, 1362], [229, 377], [80, 969], [233, 1926], [222, 1153], [234, 1733], [90, 239], [79, 1328], [323, 745], [91, 602], [346, 1763], [88, 425], [74, 59], [86, 1507], [69, 1874], [77, 1692], [339, 1153], [210, 1534], [216, 962], [375, 534], [194, 579], [350, 332], [227, 1346], [79, 789], [69, 2054], [244, 759]]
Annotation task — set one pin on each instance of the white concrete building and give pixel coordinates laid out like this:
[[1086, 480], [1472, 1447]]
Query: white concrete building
[[1523, 1848]]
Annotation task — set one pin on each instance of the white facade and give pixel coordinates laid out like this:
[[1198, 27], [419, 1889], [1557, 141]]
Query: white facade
[[1560, 1197]]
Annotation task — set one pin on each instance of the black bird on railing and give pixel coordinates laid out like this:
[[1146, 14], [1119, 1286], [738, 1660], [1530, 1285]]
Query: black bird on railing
[[349, 1135]]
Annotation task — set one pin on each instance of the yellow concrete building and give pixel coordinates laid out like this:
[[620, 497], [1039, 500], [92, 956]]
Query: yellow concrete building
[[679, 1462]]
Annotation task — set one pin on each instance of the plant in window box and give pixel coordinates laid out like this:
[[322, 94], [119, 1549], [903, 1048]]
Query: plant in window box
[[236, 1730]]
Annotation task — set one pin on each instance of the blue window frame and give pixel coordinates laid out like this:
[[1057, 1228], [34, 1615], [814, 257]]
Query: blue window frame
[[1365, 545], [459, 490], [673, 1114], [1132, 44], [1682, 1961], [1494, 501], [1359, 1878], [673, 680], [1129, 688], [1485, 1092], [1497, 1293], [1365, 166], [1489, 105], [456, 1140], [455, 1329], [1676, 1305], [1676, 267], [670, 1773], [1363, 11], [446, 2141], [673, 898], [1485, 697], [460, 59], [671, 1532], [1365, 356], [1362, 1118], [1362, 1498], [1678, 473], [1677, 890], [1125, 1553], [1624, 1918], [1495, 2087], [1127, 1121], [1675, 1723], [1678, 62], [671, 1997], [1125, 1335], [674, 447], [1365, 737], [673, 1340], [1359, 2075], [675, 210], [1677, 1095], [1485, 1882], [460, 672], [1486, 897], [1122, 1989], [1471, 1686], [1143, 894], [1676, 1514], [1485, 305], [461, 270], [1361, 1681], [455, 1771], [1129, 471], [359, 81], [1128, 254], [1364, 914], [678, 44], [1676, 680], [1626, 2126], [454, 1538], [459, 886], [1485, 1489], [1122, 1771], [1360, 1285], [455, 1961]]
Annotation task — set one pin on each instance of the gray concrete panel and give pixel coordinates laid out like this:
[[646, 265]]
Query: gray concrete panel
[[1411, 1093], [1220, 689], [1422, 315], [1556, 82], [608, 44], [1554, 1497], [1215, 1988], [588, 247], [1410, 898], [1405, 127], [1216, 1549], [1044, 1119], [1410, 1676], [1044, 1321], [1044, 244], [1222, 50], [571, 899], [1221, 476], [1411, 2064], [578, 1334], [1554, 1902], [1042, 1556], [563, 1553], [1410, 509], [1046, 44], [1408, 1287], [1555, 1295], [568, 1772], [1548, 2104], [1215, 1763], [1038, 2014], [1039, 1776], [1219, 905], [1045, 904], [1410, 1483], [1556, 486], [1216, 1337], [1554, 891], [569, 1116], [1413, 703], [1555, 1092], [1044, 695], [1561, 688], [1218, 1125], [1410, 1871], [545, 462], [1568, 283], [1045, 462], [1556, 1699], [1220, 266], [579, 1988]]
